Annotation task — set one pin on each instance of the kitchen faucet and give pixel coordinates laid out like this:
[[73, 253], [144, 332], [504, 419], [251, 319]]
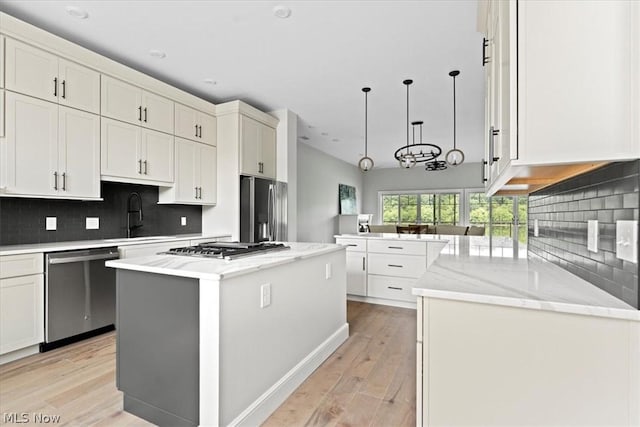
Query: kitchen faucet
[[137, 222]]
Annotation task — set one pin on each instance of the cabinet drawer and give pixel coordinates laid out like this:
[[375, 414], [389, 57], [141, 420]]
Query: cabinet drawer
[[134, 251], [412, 266], [353, 245], [21, 265], [391, 288], [398, 247]]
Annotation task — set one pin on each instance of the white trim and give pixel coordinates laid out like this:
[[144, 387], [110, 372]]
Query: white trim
[[19, 354], [256, 413], [381, 301]]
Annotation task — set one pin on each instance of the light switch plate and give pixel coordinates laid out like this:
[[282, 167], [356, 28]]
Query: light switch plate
[[327, 271], [51, 223], [183, 220], [93, 223], [627, 240], [265, 295], [536, 230], [592, 235]]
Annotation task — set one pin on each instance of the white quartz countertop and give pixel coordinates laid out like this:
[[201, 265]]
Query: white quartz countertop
[[88, 244], [395, 236], [216, 269], [465, 271]]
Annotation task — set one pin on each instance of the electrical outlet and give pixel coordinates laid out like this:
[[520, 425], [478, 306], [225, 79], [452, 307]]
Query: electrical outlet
[[265, 295], [327, 271], [92, 223], [51, 223], [627, 240], [592, 235], [183, 221]]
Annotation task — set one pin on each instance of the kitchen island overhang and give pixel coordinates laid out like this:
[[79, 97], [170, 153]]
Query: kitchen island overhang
[[250, 355]]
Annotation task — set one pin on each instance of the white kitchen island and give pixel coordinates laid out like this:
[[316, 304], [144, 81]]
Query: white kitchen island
[[212, 342], [505, 341]]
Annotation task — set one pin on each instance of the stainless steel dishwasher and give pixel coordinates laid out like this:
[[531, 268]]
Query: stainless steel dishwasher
[[80, 295]]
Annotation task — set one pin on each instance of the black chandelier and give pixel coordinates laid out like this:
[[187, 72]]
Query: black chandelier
[[411, 154]]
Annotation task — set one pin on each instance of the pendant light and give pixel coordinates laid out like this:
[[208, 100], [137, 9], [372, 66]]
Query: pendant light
[[365, 163], [411, 154], [455, 156]]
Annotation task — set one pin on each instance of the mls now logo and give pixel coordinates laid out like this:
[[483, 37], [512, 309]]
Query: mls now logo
[[25, 417]]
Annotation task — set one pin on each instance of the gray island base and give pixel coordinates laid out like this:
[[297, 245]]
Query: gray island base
[[210, 348]]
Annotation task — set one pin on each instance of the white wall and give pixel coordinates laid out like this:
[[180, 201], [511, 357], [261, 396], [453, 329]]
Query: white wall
[[467, 175], [318, 177]]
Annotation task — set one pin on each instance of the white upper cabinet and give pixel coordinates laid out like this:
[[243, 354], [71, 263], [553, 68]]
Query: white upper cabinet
[[558, 97], [38, 73], [133, 154], [257, 148], [195, 175], [129, 103], [195, 125], [50, 150]]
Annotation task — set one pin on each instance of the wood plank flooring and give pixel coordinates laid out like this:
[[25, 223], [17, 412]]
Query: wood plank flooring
[[368, 381]]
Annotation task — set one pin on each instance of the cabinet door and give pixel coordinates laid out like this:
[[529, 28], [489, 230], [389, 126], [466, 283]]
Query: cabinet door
[[31, 71], [186, 158], [120, 100], [249, 143], [119, 149], [356, 273], [157, 112], [79, 153], [208, 174], [2, 41], [268, 151], [185, 122], [157, 156], [79, 87], [208, 128], [31, 155], [21, 312]]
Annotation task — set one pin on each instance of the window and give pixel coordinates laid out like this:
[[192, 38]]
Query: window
[[421, 208]]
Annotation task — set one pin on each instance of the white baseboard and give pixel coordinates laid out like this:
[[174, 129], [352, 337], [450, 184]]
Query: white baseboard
[[19, 354], [381, 301], [256, 413]]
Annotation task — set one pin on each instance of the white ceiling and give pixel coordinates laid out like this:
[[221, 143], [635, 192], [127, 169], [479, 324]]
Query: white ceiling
[[314, 63]]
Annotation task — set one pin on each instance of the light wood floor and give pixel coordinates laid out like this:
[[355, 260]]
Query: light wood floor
[[369, 380]]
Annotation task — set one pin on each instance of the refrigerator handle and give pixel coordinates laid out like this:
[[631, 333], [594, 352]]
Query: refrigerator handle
[[270, 206]]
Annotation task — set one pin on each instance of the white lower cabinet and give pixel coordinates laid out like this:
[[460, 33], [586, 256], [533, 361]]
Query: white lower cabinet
[[356, 265], [21, 304], [393, 288], [196, 174]]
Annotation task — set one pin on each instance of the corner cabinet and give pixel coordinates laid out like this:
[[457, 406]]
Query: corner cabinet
[[196, 175], [50, 150], [556, 97], [257, 148]]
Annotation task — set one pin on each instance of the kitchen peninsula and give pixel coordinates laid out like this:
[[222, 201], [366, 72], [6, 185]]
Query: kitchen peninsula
[[213, 342]]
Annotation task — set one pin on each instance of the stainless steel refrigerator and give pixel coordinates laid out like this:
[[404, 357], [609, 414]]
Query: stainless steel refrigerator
[[263, 210]]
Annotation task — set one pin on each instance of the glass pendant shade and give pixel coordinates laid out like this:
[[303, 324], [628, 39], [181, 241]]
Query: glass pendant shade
[[454, 157], [365, 164]]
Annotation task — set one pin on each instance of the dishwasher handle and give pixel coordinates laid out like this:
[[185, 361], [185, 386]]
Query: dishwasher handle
[[80, 258]]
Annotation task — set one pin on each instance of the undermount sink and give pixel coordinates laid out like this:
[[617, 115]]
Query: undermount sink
[[131, 239]]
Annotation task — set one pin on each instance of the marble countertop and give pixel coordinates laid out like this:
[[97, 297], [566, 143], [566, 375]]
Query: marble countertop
[[468, 270], [396, 236], [216, 269], [88, 244]]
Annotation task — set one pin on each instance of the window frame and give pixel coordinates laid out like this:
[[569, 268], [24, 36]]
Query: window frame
[[461, 192]]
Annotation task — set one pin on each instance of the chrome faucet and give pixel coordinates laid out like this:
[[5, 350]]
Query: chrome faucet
[[137, 218]]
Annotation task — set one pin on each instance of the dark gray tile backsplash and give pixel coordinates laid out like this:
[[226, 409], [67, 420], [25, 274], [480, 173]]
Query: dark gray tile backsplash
[[608, 194], [22, 220]]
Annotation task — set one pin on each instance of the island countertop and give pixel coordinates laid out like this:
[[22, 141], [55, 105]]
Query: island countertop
[[464, 271], [216, 269]]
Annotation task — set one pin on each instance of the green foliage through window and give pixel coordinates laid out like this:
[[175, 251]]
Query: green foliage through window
[[425, 208]]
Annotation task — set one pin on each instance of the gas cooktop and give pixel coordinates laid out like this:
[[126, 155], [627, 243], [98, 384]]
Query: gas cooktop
[[227, 250]]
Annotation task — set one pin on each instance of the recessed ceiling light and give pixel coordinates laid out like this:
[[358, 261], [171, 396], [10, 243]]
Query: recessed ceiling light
[[335, 140], [157, 53], [324, 134], [76, 12], [282, 11], [210, 82], [306, 138]]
